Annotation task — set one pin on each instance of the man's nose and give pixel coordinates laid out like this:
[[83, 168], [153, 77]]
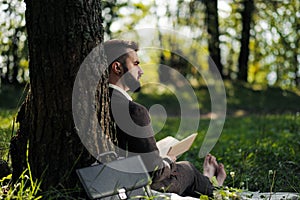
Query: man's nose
[[140, 70]]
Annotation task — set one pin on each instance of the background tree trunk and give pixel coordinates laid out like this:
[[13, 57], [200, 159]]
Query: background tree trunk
[[244, 52], [212, 23], [60, 34]]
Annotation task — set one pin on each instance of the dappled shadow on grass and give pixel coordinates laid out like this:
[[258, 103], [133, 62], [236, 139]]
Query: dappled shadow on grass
[[249, 99], [167, 100], [11, 97], [242, 99]]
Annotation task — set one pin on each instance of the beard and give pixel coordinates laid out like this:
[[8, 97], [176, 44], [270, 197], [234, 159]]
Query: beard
[[133, 84]]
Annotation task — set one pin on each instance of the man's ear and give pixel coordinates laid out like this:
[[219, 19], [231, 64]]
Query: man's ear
[[116, 68]]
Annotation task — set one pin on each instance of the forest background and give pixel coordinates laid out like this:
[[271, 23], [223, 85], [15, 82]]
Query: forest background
[[255, 46]]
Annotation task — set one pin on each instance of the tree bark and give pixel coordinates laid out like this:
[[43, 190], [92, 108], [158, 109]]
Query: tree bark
[[212, 23], [15, 68], [60, 35], [244, 52]]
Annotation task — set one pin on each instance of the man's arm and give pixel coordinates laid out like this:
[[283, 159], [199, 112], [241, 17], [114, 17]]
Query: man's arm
[[159, 167]]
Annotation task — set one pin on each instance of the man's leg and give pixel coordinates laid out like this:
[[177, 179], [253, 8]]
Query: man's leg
[[186, 181], [195, 183]]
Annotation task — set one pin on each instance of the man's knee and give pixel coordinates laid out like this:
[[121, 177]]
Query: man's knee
[[185, 165], [168, 185]]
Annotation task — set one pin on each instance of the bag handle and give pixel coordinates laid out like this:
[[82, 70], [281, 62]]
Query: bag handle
[[111, 154]]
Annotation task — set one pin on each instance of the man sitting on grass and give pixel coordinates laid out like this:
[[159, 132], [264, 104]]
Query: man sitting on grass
[[134, 134]]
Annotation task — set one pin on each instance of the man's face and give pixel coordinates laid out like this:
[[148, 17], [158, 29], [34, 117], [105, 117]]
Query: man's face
[[134, 73]]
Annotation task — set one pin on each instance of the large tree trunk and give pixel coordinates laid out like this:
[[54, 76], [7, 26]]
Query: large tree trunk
[[244, 53], [60, 35], [212, 23]]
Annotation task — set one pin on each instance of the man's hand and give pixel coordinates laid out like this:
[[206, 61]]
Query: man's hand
[[173, 158]]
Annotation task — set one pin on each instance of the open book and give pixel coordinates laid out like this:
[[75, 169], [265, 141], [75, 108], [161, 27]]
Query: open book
[[171, 146]]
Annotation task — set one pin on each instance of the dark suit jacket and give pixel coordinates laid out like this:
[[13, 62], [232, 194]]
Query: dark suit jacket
[[135, 135]]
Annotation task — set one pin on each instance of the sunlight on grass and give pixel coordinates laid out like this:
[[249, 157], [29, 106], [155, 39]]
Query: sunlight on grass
[[6, 126], [6, 118], [25, 188]]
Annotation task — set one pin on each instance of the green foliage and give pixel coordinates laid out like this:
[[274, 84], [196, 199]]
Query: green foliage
[[278, 50], [128, 13], [13, 43], [274, 38], [274, 52], [225, 193]]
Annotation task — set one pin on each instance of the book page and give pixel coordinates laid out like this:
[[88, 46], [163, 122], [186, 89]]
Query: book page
[[165, 144], [172, 146], [182, 146]]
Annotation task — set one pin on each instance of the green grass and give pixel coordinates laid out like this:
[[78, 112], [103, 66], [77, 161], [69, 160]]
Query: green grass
[[260, 141], [241, 99], [10, 99], [254, 147], [7, 128], [25, 188], [254, 99]]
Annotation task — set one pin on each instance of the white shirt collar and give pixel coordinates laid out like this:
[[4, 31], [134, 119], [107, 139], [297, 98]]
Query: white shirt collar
[[120, 90]]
